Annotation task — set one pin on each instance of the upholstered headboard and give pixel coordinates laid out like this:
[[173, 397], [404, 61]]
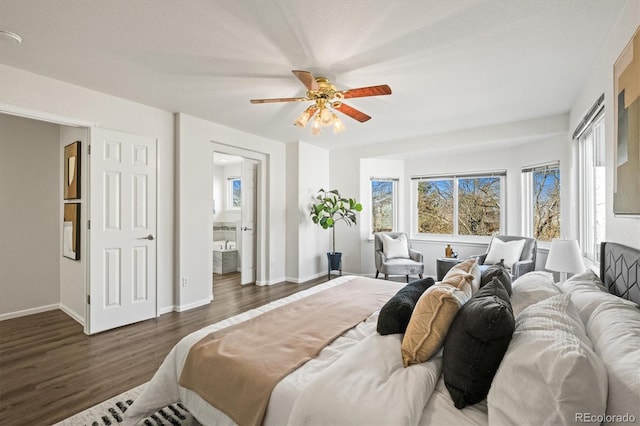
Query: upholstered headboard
[[620, 270]]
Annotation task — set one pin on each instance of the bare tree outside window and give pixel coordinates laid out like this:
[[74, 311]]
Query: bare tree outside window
[[468, 205], [234, 188], [435, 206], [382, 205], [546, 204], [479, 206]]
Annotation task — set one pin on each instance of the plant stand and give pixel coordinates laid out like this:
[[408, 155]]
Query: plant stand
[[334, 263]]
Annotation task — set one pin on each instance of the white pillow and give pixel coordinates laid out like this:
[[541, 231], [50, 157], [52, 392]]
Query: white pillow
[[395, 247], [587, 293], [531, 288], [510, 252], [549, 374], [614, 329]]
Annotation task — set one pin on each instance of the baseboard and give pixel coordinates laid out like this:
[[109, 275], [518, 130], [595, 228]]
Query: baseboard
[[271, 282], [72, 314], [182, 308], [307, 278], [167, 309], [30, 311]]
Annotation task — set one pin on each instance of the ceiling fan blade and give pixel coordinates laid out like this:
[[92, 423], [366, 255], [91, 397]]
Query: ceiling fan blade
[[307, 79], [353, 113], [268, 101], [367, 91]]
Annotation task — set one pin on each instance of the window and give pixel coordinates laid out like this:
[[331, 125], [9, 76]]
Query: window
[[541, 201], [234, 193], [384, 205], [592, 189], [460, 205]]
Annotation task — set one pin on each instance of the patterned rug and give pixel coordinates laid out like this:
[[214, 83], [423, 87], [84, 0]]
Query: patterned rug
[[111, 412]]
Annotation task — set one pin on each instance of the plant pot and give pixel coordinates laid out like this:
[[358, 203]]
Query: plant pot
[[335, 261]]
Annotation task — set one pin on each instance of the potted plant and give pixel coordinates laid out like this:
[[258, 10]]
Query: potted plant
[[330, 209]]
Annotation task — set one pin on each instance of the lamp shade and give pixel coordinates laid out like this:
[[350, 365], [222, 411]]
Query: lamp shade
[[564, 256]]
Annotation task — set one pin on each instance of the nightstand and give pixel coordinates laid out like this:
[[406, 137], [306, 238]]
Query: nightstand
[[443, 264]]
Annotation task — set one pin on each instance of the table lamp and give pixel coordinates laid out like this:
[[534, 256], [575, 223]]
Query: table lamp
[[564, 257]]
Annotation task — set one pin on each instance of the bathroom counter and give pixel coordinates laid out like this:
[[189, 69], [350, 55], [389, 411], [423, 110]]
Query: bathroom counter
[[225, 261]]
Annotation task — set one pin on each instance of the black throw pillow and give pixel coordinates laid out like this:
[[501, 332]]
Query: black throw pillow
[[499, 271], [476, 343], [396, 313]]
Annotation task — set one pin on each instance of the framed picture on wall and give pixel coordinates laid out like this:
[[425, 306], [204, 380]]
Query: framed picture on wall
[[72, 171], [626, 135], [71, 231]]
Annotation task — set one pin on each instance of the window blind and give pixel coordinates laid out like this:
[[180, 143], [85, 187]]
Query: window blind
[[495, 173], [541, 167], [588, 119]]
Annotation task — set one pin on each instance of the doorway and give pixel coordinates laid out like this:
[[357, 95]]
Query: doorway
[[234, 218]]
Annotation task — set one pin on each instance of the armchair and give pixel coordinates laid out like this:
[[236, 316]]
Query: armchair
[[410, 264], [526, 262]]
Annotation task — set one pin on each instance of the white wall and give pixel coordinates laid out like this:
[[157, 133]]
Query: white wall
[[292, 266], [624, 230], [307, 243], [34, 92], [30, 214], [195, 140], [344, 176], [73, 283]]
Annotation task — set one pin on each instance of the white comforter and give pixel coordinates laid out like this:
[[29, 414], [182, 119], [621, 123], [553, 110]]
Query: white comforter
[[345, 384]]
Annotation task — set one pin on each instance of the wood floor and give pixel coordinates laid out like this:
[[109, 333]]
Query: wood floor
[[50, 370]]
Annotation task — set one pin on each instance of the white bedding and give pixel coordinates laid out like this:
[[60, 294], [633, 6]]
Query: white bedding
[[359, 379], [163, 388]]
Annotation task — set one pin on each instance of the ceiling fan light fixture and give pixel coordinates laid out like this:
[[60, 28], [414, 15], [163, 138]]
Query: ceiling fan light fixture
[[322, 93], [315, 127], [338, 126], [326, 117]]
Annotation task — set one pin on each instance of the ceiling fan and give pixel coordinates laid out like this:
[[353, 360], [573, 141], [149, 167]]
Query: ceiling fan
[[324, 94]]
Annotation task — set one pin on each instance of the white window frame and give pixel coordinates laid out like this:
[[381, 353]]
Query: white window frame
[[591, 147], [395, 203], [230, 181], [527, 196], [415, 180]]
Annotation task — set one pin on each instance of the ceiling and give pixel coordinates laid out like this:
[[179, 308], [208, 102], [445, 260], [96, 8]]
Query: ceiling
[[452, 64]]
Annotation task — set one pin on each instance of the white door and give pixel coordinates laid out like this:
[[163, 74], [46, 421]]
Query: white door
[[122, 211], [248, 194]]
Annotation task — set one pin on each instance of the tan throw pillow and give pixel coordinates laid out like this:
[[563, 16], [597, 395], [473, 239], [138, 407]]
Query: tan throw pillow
[[432, 317], [469, 266]]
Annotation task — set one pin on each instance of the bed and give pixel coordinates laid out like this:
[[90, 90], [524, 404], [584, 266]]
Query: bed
[[575, 348]]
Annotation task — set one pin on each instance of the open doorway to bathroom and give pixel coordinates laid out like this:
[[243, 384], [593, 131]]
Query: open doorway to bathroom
[[234, 217]]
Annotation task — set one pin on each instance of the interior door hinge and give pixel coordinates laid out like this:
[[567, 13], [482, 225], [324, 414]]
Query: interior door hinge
[[88, 149], [88, 299], [88, 224]]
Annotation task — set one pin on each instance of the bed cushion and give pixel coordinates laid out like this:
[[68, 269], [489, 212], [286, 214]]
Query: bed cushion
[[499, 271], [614, 330], [509, 251], [531, 288], [396, 313], [476, 342], [395, 247], [588, 292], [551, 357], [432, 317], [469, 266]]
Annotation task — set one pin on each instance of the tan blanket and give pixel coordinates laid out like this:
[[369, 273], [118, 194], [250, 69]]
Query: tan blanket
[[236, 369]]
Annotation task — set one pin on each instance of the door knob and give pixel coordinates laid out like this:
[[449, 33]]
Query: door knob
[[247, 229], [148, 237]]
